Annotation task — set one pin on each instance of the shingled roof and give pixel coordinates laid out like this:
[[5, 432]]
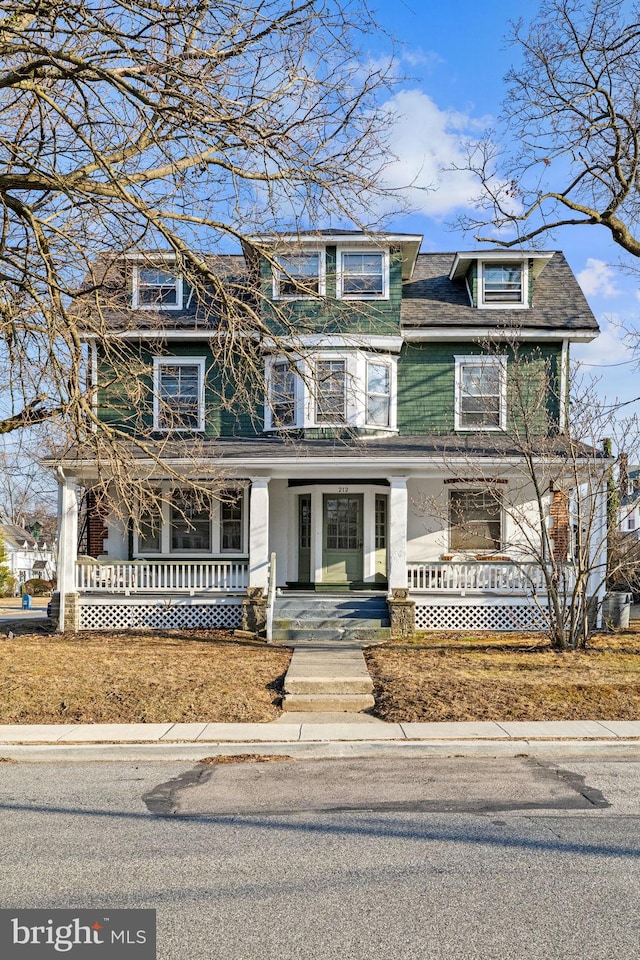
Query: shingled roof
[[431, 299]]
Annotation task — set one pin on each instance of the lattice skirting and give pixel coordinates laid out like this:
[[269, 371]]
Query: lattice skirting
[[161, 616], [485, 617]]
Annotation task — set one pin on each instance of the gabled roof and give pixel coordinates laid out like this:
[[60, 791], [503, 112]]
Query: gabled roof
[[17, 536]]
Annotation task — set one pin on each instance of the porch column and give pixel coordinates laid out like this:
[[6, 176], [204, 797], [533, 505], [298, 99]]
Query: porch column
[[397, 551], [259, 532], [67, 552]]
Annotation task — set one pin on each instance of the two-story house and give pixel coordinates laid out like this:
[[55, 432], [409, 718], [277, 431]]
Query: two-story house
[[378, 455]]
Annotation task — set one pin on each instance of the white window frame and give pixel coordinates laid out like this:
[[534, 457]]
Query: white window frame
[[167, 268], [501, 363], [269, 421], [521, 304], [340, 273], [166, 552], [332, 358], [379, 362], [356, 389], [322, 275], [158, 364], [474, 490]]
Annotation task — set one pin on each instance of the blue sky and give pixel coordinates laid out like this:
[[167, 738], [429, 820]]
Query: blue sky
[[454, 58]]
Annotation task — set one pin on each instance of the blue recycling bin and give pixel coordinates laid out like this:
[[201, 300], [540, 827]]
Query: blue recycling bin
[[26, 602]]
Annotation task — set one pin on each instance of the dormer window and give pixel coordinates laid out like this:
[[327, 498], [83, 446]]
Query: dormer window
[[301, 276], [156, 288], [363, 276], [503, 283]]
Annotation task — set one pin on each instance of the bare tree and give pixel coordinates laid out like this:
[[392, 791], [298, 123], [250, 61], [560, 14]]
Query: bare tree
[[541, 491], [175, 125], [569, 151]]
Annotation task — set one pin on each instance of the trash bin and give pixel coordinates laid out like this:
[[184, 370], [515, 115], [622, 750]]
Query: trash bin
[[26, 601], [617, 608]]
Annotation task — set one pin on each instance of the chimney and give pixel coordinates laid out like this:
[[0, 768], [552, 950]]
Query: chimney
[[623, 474]]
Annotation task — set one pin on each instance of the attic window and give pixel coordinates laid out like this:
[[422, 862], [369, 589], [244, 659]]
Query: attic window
[[503, 283], [156, 288], [300, 276]]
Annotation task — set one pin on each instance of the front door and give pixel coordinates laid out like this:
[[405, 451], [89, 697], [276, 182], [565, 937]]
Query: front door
[[342, 538]]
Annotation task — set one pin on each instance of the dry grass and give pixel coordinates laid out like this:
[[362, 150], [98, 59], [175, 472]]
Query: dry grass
[[139, 677], [449, 676]]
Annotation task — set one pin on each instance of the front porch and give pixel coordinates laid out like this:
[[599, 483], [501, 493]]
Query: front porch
[[328, 535], [477, 595]]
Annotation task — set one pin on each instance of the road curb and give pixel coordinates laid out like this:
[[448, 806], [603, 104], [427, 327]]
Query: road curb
[[306, 750]]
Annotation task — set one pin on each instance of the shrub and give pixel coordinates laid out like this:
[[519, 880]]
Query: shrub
[[37, 587]]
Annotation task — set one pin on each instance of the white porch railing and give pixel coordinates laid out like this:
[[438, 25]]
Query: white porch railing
[[489, 576], [162, 576]]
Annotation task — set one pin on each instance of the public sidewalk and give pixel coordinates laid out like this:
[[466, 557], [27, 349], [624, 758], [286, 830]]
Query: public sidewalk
[[309, 738]]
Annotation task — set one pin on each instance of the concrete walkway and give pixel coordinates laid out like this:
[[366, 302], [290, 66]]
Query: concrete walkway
[[194, 741], [329, 676]]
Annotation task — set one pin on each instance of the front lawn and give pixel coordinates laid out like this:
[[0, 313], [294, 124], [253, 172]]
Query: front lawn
[[453, 676], [139, 677]]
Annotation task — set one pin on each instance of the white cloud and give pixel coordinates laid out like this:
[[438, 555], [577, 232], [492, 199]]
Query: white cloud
[[598, 279], [610, 347], [427, 143]]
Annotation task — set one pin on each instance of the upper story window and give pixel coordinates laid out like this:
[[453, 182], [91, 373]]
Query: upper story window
[[503, 283], [283, 394], [330, 389], [156, 288], [481, 401], [378, 394], [301, 276], [363, 276], [178, 393], [352, 387]]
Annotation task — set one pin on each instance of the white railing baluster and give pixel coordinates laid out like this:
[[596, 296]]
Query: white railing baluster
[[161, 576], [482, 577]]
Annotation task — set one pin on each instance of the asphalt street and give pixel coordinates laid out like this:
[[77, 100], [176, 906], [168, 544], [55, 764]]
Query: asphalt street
[[350, 859]]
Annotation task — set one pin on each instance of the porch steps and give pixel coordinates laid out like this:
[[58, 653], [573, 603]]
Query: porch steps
[[327, 678], [310, 617]]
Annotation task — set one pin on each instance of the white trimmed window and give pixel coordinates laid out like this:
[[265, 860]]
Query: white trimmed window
[[331, 391], [503, 283], [362, 275], [178, 396], [481, 393], [475, 520], [378, 394], [282, 409], [190, 523], [156, 288], [301, 276]]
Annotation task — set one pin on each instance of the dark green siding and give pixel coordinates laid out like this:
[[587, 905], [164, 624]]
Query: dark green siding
[[331, 316], [230, 410], [426, 385]]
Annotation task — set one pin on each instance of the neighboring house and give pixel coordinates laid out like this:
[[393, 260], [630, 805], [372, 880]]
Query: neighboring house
[[27, 557], [629, 493], [374, 453]]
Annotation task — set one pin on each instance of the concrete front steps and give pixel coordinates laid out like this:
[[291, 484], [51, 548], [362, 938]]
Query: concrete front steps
[[300, 617], [327, 679]]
